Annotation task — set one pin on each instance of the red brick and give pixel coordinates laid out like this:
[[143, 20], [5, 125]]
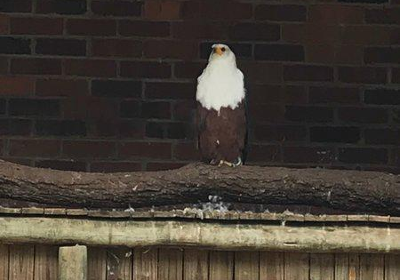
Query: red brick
[[88, 149], [15, 127], [76, 7], [158, 166], [382, 55], [116, 88], [335, 14], [365, 35], [116, 48], [396, 75], [34, 107], [200, 30], [130, 109], [279, 52], [36, 66], [3, 65], [90, 108], [115, 166], [362, 115], [382, 136], [156, 110], [316, 155], [340, 95], [307, 73], [162, 10], [134, 129], [143, 69], [363, 155], [383, 16], [276, 94], [61, 87], [310, 33], [60, 128], [255, 32], [282, 133], [144, 28], [264, 153], [4, 24], [264, 73], [10, 45], [16, 85], [154, 150], [36, 26], [320, 53], [170, 49], [281, 12], [349, 54], [186, 151], [90, 68], [16, 6], [98, 27], [117, 8], [170, 90], [382, 96], [335, 134], [65, 165], [34, 148], [188, 69], [225, 10], [183, 110], [362, 75], [266, 112], [22, 161], [308, 114], [70, 47]]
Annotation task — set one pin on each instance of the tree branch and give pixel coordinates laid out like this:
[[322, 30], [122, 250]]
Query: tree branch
[[351, 191]]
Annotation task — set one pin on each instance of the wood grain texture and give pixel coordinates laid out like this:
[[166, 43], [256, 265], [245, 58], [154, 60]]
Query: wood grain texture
[[297, 266], [46, 262], [371, 266], [322, 266], [97, 264], [272, 266], [170, 264], [221, 265], [247, 265], [392, 267], [119, 264], [4, 261], [196, 263], [354, 267], [341, 266], [21, 262], [145, 263]]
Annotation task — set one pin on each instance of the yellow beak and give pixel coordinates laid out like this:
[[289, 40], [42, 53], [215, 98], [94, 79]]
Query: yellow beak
[[218, 50]]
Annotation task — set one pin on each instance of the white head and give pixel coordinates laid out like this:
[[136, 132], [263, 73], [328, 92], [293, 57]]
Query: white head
[[222, 53]]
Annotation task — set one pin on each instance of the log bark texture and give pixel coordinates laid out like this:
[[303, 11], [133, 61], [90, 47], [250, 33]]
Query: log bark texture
[[351, 191]]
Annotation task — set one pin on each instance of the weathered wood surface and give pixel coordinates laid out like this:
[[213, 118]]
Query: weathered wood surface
[[195, 264], [201, 235], [72, 263], [272, 266], [221, 265], [146, 263], [46, 262], [21, 262], [247, 265], [367, 192]]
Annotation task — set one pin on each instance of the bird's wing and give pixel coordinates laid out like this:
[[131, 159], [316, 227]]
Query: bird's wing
[[201, 114]]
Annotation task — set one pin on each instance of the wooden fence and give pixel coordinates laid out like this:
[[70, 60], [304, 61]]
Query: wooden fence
[[38, 262]]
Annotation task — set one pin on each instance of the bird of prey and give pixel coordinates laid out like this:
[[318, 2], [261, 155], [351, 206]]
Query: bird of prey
[[221, 110]]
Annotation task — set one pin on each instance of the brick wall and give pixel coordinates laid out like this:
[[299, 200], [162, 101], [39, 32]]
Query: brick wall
[[109, 85]]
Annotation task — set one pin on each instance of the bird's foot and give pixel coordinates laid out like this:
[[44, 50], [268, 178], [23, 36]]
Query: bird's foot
[[214, 162], [238, 162]]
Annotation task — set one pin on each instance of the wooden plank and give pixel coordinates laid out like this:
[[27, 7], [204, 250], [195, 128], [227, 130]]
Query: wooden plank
[[341, 266], [170, 264], [46, 262], [272, 266], [354, 267], [322, 266], [4, 261], [21, 262], [119, 264], [221, 265], [392, 267], [145, 263], [247, 265], [97, 265], [371, 266], [195, 264], [72, 262], [297, 266]]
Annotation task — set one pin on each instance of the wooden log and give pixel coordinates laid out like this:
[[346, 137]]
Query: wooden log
[[227, 236], [72, 263], [356, 191]]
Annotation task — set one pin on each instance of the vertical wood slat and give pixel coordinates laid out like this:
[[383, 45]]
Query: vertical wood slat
[[46, 262], [392, 267], [119, 264], [322, 266], [21, 262], [97, 265], [297, 266], [272, 266], [247, 265], [195, 264], [170, 264], [354, 267], [371, 266], [145, 263], [4, 261], [341, 266], [221, 265]]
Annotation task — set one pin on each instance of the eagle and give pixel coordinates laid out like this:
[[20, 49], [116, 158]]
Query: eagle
[[221, 113]]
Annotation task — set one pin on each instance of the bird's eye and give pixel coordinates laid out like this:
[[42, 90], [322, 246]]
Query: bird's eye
[[222, 49]]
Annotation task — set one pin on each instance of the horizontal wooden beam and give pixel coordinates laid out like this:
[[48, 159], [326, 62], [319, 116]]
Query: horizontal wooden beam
[[220, 236]]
